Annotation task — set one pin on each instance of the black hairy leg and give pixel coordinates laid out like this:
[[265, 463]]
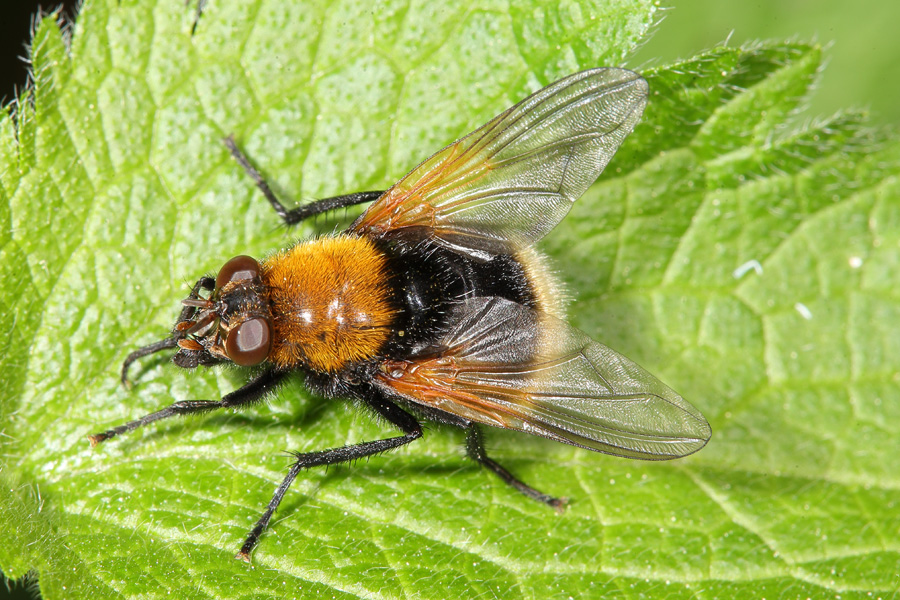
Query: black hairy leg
[[198, 12], [475, 449], [408, 424], [254, 391], [295, 215]]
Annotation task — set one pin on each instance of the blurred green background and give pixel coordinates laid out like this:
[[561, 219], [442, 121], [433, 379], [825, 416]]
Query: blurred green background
[[862, 37]]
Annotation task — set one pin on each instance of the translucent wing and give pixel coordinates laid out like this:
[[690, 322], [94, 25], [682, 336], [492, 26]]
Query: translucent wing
[[516, 177], [508, 366]]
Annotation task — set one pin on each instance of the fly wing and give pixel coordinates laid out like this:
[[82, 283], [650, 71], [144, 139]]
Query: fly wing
[[506, 365], [515, 178]]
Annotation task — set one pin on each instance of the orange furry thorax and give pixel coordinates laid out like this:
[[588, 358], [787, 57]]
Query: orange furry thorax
[[331, 302]]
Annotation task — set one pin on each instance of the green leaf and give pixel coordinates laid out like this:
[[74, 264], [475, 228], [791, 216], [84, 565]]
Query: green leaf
[[751, 264]]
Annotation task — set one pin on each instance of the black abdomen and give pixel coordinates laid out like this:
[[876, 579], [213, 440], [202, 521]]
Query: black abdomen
[[427, 278]]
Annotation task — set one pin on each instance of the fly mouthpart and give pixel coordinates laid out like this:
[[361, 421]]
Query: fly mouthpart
[[197, 302], [202, 325]]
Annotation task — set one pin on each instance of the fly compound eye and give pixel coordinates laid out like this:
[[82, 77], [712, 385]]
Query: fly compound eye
[[239, 268], [249, 343]]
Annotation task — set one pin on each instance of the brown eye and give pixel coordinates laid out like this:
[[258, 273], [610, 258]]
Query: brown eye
[[249, 343], [238, 268]]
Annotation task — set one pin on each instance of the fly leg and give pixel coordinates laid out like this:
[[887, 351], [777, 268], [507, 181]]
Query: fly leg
[[407, 423], [252, 392], [201, 4], [295, 215], [475, 450]]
